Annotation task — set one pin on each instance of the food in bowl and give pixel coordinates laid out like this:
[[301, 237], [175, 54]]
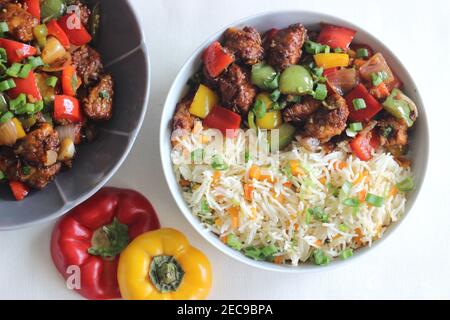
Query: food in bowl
[[338, 173], [53, 88]]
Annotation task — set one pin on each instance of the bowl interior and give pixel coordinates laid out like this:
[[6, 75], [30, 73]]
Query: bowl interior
[[125, 57], [263, 22]]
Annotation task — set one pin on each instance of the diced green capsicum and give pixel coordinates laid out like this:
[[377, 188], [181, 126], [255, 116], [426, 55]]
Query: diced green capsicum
[[401, 107], [296, 80]]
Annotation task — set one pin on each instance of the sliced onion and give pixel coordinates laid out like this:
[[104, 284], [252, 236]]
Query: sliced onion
[[66, 150], [343, 80], [52, 157], [376, 64], [53, 51], [71, 131], [8, 133]]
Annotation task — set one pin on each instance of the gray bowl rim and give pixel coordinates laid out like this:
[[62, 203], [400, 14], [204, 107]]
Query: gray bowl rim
[[267, 266], [133, 136]]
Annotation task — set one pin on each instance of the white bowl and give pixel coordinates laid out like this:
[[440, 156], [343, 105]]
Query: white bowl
[[263, 22]]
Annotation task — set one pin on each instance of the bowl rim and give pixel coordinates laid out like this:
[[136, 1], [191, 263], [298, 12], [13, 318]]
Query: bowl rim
[[132, 139], [213, 239]]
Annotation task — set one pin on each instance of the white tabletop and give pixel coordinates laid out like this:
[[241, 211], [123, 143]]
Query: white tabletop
[[413, 263]]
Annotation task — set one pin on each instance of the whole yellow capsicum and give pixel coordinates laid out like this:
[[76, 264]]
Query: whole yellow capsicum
[[162, 265], [332, 60], [204, 100]]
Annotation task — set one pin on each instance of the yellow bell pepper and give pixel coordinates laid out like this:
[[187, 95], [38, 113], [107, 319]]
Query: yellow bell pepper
[[19, 128], [271, 120], [265, 97], [162, 265], [332, 60], [205, 99]]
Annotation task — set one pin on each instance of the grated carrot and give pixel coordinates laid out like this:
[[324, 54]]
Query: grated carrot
[[216, 177], [287, 184], [358, 239], [185, 183], [362, 195], [323, 180], [340, 165], [253, 215], [204, 139], [254, 173], [234, 214], [394, 192], [223, 239], [267, 178], [362, 175], [337, 237], [358, 63], [278, 260], [318, 243], [248, 192], [218, 222], [296, 226], [296, 170]]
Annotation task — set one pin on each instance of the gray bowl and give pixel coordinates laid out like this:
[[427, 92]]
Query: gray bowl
[[122, 45]]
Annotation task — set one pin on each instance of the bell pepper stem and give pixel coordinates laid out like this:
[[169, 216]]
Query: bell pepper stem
[[166, 273], [110, 240]]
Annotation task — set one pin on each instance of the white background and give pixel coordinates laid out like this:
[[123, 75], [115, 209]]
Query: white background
[[413, 263]]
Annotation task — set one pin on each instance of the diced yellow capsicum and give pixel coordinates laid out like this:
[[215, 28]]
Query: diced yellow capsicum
[[205, 99], [264, 97], [271, 120], [19, 128], [332, 60]]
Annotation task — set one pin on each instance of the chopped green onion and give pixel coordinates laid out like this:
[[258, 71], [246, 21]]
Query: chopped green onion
[[338, 50], [253, 253], [315, 48], [406, 185], [347, 253], [17, 102], [308, 217], [320, 258], [204, 207], [25, 71], [35, 62], [362, 53], [343, 228], [3, 28], [39, 106], [234, 242], [274, 96], [51, 81], [378, 78], [319, 214], [321, 92], [356, 127], [197, 156], [359, 104], [259, 109], [218, 163], [318, 72], [374, 200], [3, 55], [346, 187], [268, 251], [273, 83], [14, 70], [6, 117], [353, 203], [246, 156], [2, 175], [26, 170]]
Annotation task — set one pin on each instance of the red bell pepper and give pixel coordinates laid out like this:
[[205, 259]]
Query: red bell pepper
[[223, 120], [17, 51], [335, 36], [364, 144], [34, 8], [54, 29], [373, 107], [67, 108], [74, 29], [28, 86], [19, 190], [70, 81], [92, 236], [216, 59]]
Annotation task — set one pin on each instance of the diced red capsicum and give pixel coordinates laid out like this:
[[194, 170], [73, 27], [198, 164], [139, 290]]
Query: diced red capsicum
[[34, 8], [19, 190], [92, 236], [67, 108], [54, 29], [335, 36], [373, 107], [70, 81], [17, 51], [364, 144], [223, 120], [216, 59], [28, 86], [74, 29]]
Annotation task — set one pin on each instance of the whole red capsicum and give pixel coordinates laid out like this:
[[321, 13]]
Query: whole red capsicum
[[92, 236]]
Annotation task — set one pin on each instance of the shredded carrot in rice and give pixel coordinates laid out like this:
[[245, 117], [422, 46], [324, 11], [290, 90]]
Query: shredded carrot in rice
[[340, 165], [278, 260], [234, 214], [248, 192], [394, 192]]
